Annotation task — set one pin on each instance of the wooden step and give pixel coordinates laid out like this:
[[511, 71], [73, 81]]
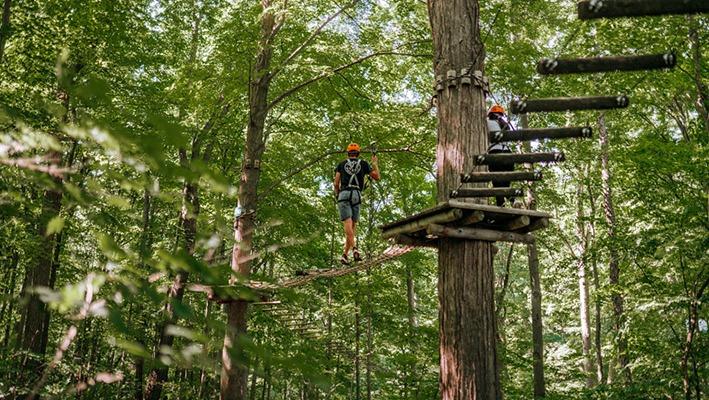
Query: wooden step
[[569, 104], [507, 159], [559, 66], [485, 192], [413, 229], [591, 9], [478, 234], [506, 176], [536, 134]]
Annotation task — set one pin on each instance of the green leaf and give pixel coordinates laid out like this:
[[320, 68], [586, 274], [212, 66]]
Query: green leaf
[[55, 225]]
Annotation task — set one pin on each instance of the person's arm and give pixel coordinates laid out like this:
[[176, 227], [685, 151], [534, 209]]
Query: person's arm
[[375, 169], [337, 184]]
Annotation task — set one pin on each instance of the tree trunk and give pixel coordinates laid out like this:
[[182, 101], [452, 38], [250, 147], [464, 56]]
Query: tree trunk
[[411, 298], [613, 265], [144, 251], [695, 298], [702, 102], [539, 384], [188, 226], [584, 316], [358, 333], [368, 358], [254, 378], [598, 342], [35, 330], [466, 288], [234, 373], [7, 293], [4, 27], [8, 306]]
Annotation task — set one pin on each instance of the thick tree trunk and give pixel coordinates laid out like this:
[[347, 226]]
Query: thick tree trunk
[[584, 316], [234, 372], [539, 385], [466, 289], [613, 265], [35, 330], [4, 27]]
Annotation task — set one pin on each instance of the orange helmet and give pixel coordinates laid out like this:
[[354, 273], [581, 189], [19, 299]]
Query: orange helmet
[[496, 109], [353, 147]]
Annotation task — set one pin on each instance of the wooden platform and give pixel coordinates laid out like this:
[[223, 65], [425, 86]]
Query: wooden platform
[[458, 219]]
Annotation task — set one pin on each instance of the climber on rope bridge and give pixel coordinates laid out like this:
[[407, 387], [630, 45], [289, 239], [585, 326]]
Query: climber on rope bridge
[[497, 121], [349, 183]]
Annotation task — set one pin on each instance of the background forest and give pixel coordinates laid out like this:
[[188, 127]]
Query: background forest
[[123, 129]]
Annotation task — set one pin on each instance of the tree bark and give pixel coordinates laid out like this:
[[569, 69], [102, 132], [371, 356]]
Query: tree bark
[[411, 299], [8, 306], [34, 329], [539, 385], [466, 288], [188, 227], [584, 316], [613, 265], [702, 102], [144, 250], [4, 27], [598, 340], [358, 333], [233, 379], [695, 297]]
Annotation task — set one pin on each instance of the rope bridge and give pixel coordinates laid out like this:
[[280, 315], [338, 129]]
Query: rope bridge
[[391, 252]]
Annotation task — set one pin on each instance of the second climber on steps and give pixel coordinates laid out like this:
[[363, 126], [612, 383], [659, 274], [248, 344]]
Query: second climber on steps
[[496, 121], [349, 183]]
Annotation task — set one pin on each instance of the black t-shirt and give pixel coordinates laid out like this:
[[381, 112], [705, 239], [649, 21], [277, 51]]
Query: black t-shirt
[[352, 172]]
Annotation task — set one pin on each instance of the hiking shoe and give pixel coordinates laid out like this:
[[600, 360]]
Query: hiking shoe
[[345, 260], [356, 255]]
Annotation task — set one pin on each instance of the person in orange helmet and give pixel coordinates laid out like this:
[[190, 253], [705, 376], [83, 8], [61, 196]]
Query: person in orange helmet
[[496, 121], [349, 183]]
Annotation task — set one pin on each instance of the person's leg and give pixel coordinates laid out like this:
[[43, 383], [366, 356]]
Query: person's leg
[[355, 219], [345, 209], [349, 235]]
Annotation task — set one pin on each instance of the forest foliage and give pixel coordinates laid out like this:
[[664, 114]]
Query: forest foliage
[[121, 121]]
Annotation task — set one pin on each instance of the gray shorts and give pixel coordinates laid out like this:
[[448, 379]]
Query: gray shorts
[[348, 204]]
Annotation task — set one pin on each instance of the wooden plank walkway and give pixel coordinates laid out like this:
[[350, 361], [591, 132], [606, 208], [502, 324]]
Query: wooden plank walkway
[[460, 214]]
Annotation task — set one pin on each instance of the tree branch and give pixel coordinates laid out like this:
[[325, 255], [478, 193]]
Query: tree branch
[[310, 38], [320, 158], [326, 74]]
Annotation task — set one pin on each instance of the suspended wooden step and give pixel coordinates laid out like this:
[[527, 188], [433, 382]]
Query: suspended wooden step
[[478, 234], [508, 158], [590, 9], [506, 176], [559, 66], [469, 215], [569, 104], [536, 134], [486, 192]]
